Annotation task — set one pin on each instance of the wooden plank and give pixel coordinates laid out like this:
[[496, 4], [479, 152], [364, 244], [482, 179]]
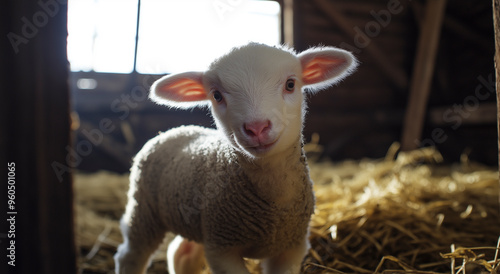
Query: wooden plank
[[496, 25], [34, 82], [422, 73], [287, 21], [486, 113]]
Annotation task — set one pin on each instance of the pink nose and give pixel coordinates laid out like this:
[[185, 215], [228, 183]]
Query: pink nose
[[257, 128]]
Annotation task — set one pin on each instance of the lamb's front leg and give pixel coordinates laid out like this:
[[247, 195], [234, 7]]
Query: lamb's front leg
[[288, 262], [225, 261], [141, 239], [184, 257]]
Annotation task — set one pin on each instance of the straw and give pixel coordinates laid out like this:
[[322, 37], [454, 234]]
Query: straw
[[399, 214]]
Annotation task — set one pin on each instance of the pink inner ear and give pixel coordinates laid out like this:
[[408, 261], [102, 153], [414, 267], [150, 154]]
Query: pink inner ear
[[319, 69], [184, 90]]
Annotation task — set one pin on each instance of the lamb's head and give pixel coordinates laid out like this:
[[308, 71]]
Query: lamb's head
[[256, 92]]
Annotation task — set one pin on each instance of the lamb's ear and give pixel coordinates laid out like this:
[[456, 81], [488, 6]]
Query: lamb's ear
[[182, 90], [322, 67]]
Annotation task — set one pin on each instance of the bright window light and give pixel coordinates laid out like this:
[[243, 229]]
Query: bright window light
[[185, 35], [174, 35], [102, 35]]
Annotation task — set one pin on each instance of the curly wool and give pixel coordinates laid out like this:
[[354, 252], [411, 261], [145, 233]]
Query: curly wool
[[213, 198]]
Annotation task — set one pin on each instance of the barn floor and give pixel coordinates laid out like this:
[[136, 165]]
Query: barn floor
[[407, 213]]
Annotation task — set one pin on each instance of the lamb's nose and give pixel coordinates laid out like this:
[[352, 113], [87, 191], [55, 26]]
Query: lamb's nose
[[257, 128]]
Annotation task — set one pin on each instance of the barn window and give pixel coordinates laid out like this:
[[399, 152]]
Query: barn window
[[157, 37], [101, 35], [117, 48]]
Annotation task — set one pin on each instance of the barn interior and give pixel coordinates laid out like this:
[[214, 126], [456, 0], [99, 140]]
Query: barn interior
[[404, 152]]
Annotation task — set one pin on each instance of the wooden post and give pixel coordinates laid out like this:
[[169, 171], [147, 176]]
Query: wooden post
[[35, 133], [422, 73], [496, 25]]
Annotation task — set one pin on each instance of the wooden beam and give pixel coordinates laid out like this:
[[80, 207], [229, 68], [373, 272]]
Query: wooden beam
[[394, 73], [34, 80], [287, 22], [486, 113], [423, 71], [496, 25]]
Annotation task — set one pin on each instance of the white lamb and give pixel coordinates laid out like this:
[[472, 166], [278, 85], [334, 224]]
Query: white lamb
[[243, 190]]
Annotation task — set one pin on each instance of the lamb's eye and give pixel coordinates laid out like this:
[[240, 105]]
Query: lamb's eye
[[290, 85], [217, 96]]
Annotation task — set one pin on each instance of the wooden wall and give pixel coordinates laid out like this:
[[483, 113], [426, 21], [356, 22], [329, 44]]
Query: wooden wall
[[35, 129], [361, 116], [364, 114]]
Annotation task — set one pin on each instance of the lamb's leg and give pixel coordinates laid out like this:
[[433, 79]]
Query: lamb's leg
[[225, 262], [184, 257], [140, 239], [288, 262]]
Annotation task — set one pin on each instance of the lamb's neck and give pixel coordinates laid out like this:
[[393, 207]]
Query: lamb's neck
[[281, 177]]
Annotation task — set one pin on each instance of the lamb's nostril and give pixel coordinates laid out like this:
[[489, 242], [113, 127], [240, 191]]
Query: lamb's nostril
[[257, 128]]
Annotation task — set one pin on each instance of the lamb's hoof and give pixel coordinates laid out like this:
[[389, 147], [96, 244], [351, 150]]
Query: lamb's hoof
[[188, 257]]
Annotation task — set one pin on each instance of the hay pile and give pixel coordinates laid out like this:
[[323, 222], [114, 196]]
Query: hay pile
[[402, 214]]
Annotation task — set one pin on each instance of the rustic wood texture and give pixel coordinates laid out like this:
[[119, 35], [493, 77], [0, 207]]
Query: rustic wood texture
[[462, 64], [35, 134], [384, 63], [496, 25], [423, 71]]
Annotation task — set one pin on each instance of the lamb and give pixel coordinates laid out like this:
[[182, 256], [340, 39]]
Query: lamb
[[241, 190]]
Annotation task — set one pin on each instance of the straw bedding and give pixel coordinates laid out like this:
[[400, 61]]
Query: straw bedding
[[406, 213]]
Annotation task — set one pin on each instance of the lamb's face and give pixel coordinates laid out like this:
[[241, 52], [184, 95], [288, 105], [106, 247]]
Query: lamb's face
[[255, 92], [257, 99]]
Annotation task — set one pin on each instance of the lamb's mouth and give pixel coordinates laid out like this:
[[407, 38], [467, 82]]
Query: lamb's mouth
[[262, 148]]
